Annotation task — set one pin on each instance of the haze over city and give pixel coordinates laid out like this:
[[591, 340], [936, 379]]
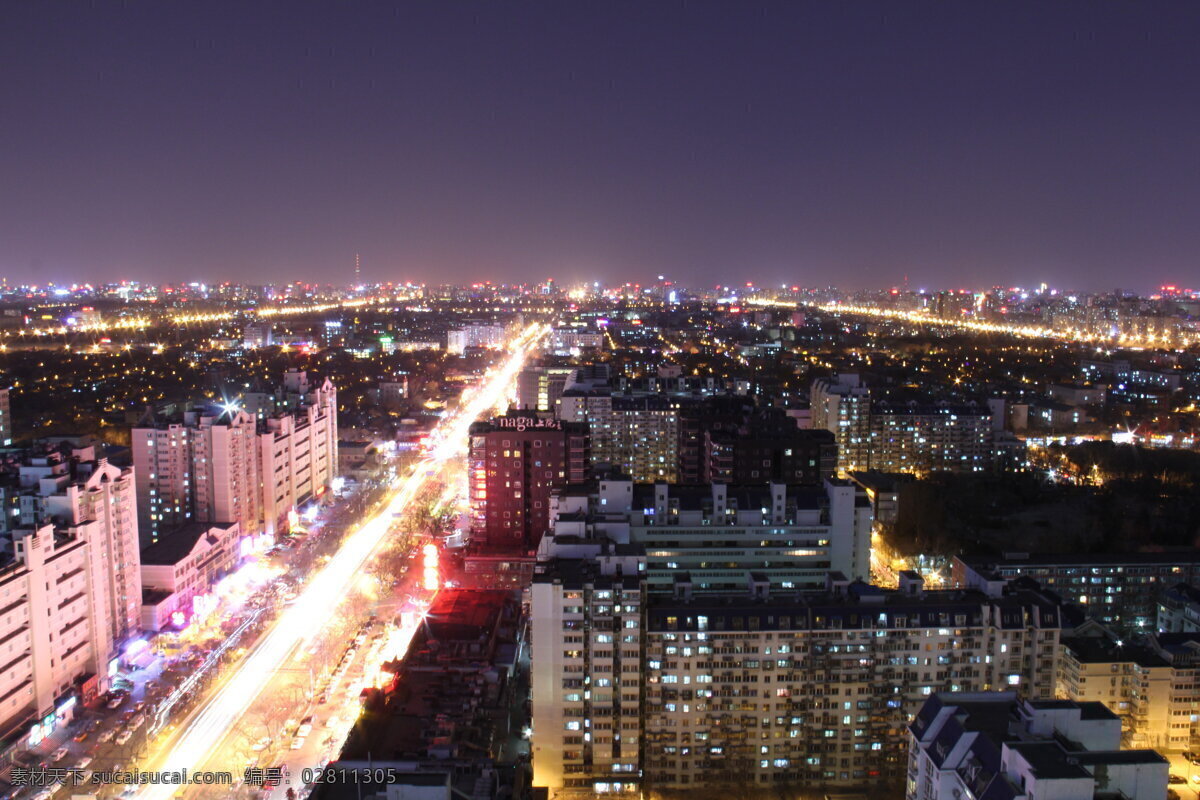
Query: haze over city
[[960, 145], [599, 400]]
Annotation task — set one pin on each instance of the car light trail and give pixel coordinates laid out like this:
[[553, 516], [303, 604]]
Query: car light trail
[[297, 623]]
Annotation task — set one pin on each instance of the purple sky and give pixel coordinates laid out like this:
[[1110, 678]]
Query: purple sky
[[960, 143]]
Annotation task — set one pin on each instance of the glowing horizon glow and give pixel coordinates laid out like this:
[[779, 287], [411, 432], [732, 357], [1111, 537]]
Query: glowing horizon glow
[[207, 729]]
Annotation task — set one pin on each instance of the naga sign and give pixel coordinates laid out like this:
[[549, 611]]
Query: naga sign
[[528, 423]]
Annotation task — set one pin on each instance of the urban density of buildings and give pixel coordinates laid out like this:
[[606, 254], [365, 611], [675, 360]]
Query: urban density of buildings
[[691, 543], [599, 401]]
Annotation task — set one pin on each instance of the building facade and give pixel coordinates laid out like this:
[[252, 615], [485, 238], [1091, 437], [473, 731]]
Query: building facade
[[898, 436], [517, 462], [249, 465], [180, 570], [1151, 685], [723, 537], [55, 631], [1120, 590], [73, 488], [638, 434], [635, 691]]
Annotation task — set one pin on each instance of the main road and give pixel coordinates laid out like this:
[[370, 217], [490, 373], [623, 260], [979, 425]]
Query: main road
[[206, 728]]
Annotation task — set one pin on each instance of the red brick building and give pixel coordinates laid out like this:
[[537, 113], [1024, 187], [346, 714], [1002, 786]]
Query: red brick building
[[516, 462]]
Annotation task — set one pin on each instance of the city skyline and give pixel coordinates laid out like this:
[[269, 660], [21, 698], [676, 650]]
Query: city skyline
[[802, 144]]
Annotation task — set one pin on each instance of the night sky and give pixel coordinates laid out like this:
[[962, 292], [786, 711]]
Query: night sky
[[847, 143]]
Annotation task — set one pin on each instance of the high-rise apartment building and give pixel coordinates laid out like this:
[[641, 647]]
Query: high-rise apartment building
[[226, 478], [55, 625], [635, 690], [75, 489], [638, 434], [540, 386], [516, 463], [723, 537], [1120, 590], [230, 465], [162, 459], [901, 436]]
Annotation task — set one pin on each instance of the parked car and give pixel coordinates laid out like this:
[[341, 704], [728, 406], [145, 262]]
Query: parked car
[[115, 702], [107, 736], [124, 737], [60, 754], [84, 762]]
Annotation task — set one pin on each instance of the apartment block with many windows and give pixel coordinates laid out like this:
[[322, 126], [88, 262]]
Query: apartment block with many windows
[[637, 690]]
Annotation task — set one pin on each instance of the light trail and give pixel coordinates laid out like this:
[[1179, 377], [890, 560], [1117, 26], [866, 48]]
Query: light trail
[[195, 745]]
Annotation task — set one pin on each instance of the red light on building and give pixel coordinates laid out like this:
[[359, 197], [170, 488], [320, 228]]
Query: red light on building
[[431, 580]]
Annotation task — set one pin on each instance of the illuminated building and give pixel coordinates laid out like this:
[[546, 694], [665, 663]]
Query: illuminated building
[[635, 689], [539, 387], [162, 464], [180, 570], [516, 462], [1150, 684], [565, 341], [994, 745], [257, 335], [225, 463], [231, 464], [474, 335], [901, 436], [5, 420], [790, 536], [54, 586], [1121, 590], [298, 455], [639, 434], [71, 487]]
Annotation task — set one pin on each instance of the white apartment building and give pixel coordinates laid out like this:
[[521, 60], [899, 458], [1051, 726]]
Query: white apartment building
[[641, 691], [569, 341], [1151, 685], [791, 537], [55, 634], [997, 746], [297, 460], [162, 463], [238, 466], [226, 469], [80, 489], [475, 335]]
